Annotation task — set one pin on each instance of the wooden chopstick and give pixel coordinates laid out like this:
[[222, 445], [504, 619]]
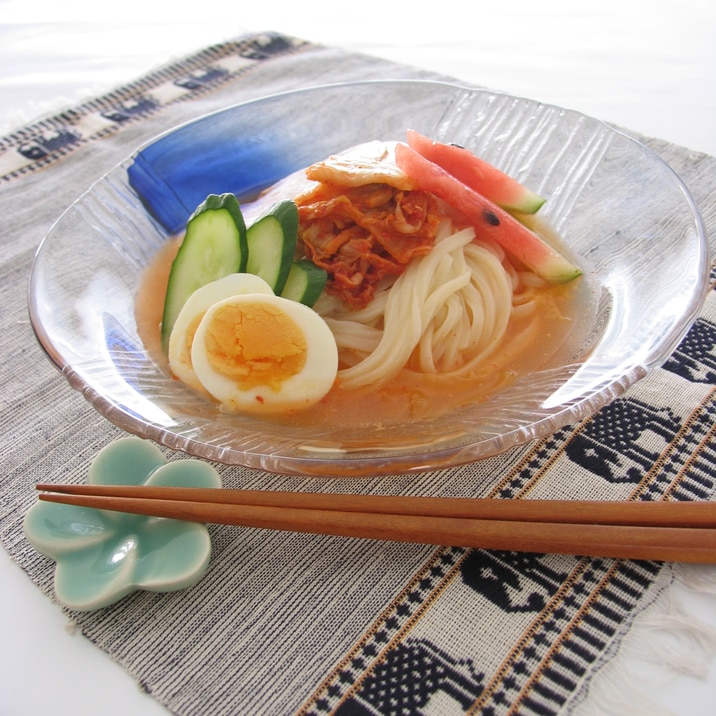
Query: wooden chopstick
[[668, 531], [658, 514]]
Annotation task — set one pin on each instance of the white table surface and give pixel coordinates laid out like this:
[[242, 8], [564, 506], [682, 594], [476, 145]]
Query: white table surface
[[647, 66]]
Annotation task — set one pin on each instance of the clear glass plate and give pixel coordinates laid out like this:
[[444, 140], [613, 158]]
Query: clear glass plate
[[620, 210]]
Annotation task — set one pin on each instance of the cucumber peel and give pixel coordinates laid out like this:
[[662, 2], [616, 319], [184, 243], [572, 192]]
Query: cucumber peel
[[214, 246], [305, 282]]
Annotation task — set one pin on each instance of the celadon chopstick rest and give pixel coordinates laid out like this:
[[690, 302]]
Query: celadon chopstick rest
[[102, 556]]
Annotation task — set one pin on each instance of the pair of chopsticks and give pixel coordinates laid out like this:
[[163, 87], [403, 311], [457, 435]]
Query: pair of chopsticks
[[664, 531]]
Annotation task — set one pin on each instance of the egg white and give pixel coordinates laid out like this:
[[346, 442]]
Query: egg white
[[180, 339], [296, 392]]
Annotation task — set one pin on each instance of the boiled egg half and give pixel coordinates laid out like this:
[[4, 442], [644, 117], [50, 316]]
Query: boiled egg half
[[182, 335], [261, 353]]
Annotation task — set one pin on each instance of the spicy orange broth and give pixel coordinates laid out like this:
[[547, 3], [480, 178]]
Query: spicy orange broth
[[410, 396]]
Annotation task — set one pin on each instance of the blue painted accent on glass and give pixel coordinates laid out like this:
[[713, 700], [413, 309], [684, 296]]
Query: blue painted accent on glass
[[223, 152]]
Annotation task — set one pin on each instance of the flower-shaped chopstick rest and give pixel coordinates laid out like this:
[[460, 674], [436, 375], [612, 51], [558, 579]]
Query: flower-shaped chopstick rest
[[103, 556]]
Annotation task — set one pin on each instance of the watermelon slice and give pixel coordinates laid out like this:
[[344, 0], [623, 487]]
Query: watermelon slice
[[488, 219], [478, 174]]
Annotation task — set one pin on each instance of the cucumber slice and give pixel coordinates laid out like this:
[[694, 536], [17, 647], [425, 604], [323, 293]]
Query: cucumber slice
[[305, 282], [214, 246], [272, 244]]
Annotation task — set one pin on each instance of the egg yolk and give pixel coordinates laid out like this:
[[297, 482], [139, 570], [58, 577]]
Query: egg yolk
[[255, 345]]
